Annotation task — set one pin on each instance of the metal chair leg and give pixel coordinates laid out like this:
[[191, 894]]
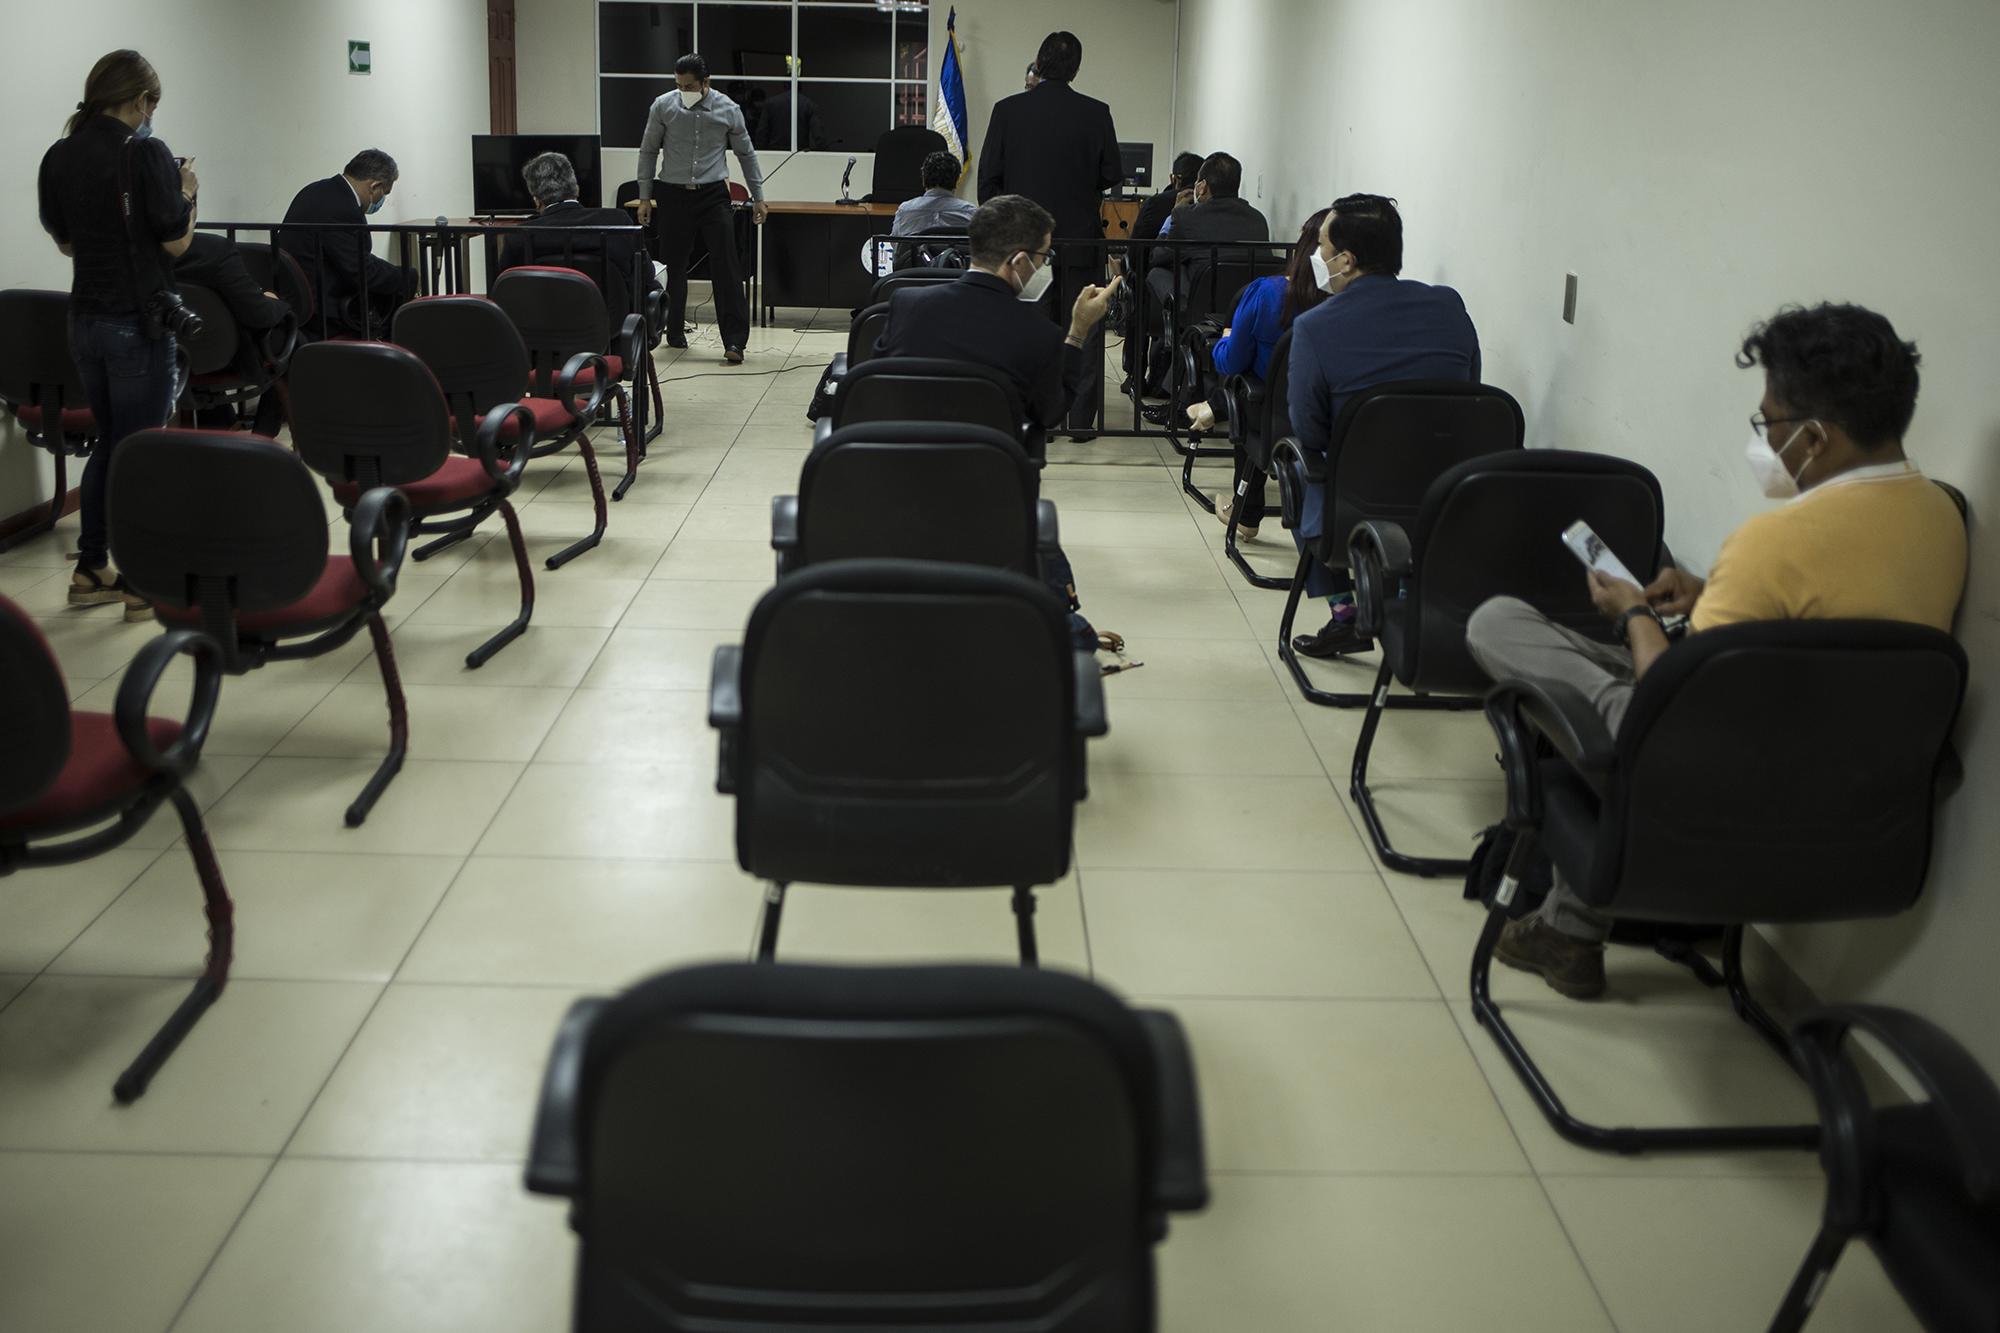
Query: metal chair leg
[[399, 725], [1024, 925], [138, 1075], [578, 547], [450, 539], [1236, 556], [1810, 1281], [656, 421], [1289, 655], [767, 930], [629, 433], [479, 656], [1364, 800]]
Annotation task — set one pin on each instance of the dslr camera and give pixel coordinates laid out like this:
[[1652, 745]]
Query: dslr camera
[[165, 313]]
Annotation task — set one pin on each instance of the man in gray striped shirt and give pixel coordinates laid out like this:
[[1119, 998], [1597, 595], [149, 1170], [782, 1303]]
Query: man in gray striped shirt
[[684, 157]]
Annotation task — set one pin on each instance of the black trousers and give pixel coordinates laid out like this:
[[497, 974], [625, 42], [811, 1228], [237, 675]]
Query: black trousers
[[704, 212], [1076, 272]]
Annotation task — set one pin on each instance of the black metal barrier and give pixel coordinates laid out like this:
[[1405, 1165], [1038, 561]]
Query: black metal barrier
[[1203, 279]]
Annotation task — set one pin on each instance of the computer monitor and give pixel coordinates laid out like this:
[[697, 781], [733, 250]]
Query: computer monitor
[[1137, 161], [497, 160]]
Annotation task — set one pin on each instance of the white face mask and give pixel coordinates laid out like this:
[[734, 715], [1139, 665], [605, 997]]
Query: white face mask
[[1322, 273], [1038, 286], [688, 99], [1774, 479]]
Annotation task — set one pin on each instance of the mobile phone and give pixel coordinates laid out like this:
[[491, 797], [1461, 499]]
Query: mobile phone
[[180, 162], [1589, 548]]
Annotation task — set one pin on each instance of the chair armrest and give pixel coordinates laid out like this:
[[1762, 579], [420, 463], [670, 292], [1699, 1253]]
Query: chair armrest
[[784, 523], [1047, 540], [378, 533], [1556, 711], [1379, 558], [280, 341], [822, 431], [135, 698], [725, 710], [564, 389], [1296, 471], [836, 371], [1962, 1096], [632, 343], [1180, 1171], [1091, 719], [555, 1165], [491, 430], [1245, 396]]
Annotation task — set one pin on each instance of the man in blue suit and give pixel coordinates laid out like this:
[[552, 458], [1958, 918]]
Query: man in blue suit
[[1376, 329]]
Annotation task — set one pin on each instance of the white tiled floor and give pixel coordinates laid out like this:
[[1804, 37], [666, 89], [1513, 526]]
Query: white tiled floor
[[338, 1145]]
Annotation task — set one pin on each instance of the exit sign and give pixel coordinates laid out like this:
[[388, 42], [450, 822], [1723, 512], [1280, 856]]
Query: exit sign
[[358, 61]]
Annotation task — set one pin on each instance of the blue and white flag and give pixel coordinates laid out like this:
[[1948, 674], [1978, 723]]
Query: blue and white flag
[[949, 118]]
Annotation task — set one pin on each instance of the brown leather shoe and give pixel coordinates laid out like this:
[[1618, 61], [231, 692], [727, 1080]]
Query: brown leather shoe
[[1571, 966]]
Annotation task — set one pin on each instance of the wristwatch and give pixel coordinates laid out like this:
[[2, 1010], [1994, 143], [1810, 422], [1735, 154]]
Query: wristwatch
[[1623, 625]]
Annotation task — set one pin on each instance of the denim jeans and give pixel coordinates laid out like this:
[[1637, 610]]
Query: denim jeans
[[131, 380]]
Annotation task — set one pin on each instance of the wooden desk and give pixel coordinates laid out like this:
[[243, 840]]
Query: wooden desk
[[1119, 213], [812, 254]]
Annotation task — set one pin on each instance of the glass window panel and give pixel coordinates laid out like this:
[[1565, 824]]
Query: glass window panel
[[850, 116], [845, 43], [913, 40], [913, 104], [752, 40], [643, 39], [622, 105], [764, 103]]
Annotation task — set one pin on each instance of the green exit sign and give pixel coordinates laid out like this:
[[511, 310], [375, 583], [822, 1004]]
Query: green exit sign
[[358, 61]]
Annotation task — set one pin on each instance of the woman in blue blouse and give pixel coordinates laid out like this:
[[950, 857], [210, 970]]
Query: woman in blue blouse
[[1267, 308]]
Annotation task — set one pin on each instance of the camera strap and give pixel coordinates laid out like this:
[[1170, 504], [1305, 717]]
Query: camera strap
[[128, 205]]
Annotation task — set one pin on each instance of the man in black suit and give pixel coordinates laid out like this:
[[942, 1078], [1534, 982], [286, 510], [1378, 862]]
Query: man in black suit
[[1153, 213], [1218, 212], [1059, 148], [551, 181], [353, 276], [993, 316]]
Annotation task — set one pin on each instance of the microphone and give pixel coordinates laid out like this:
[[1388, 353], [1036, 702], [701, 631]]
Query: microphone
[[437, 256], [845, 177]]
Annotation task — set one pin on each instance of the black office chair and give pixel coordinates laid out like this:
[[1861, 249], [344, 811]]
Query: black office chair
[[1205, 289], [628, 294], [899, 163], [1390, 442], [226, 533], [1259, 416], [1743, 786], [976, 782], [40, 385], [862, 334], [65, 776], [946, 248], [228, 365], [912, 388], [374, 414], [916, 491], [980, 1149], [1919, 1182], [890, 283], [1488, 527]]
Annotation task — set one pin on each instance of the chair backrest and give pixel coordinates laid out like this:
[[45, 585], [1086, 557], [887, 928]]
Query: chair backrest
[[899, 162], [559, 312], [1392, 441], [278, 270], [36, 369], [1492, 527], [606, 261], [919, 491], [891, 283], [944, 247], [864, 331], [368, 413], [1213, 289], [912, 388], [948, 1148], [907, 724], [1779, 771], [34, 711], [213, 349], [473, 351], [1277, 422], [217, 521]]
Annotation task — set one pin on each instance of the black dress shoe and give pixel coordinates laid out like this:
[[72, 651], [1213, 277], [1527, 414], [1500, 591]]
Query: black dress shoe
[[1082, 436], [1338, 639], [678, 344], [733, 355]]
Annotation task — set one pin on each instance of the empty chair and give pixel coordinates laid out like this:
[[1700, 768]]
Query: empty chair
[[372, 414], [862, 335], [982, 1149], [1259, 416], [40, 385], [75, 784], [890, 283], [1390, 442], [915, 491], [561, 318], [1488, 527], [1919, 1182], [1725, 797], [911, 388], [227, 533], [905, 725]]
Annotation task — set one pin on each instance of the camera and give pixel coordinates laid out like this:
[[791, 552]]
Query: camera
[[165, 312]]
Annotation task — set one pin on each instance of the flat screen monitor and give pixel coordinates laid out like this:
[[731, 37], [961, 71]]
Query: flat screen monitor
[[1137, 160], [497, 160]]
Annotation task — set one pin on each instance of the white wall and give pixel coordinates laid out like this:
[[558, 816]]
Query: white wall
[[1697, 165], [257, 91], [1128, 61]]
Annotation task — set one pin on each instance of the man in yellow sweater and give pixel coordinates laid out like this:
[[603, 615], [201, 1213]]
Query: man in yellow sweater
[[1862, 535]]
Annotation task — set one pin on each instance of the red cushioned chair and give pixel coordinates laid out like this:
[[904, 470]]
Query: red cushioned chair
[[39, 384], [227, 532], [373, 414], [76, 784], [562, 315], [226, 367], [623, 274]]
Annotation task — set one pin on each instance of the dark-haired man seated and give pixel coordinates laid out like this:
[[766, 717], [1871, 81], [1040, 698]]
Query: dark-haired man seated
[[551, 182], [1862, 535], [1216, 212], [993, 316], [938, 206], [1375, 328]]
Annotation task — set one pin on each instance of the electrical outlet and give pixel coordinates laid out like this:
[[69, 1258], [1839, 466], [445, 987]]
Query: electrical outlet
[[1569, 298]]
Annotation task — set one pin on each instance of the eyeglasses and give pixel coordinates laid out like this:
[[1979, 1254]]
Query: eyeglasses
[[1762, 424]]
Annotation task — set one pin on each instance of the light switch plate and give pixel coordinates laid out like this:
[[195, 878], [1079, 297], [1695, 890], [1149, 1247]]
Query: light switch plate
[[1569, 298]]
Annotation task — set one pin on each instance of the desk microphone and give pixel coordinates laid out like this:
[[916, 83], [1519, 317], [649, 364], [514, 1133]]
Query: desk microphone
[[846, 176], [437, 259]]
